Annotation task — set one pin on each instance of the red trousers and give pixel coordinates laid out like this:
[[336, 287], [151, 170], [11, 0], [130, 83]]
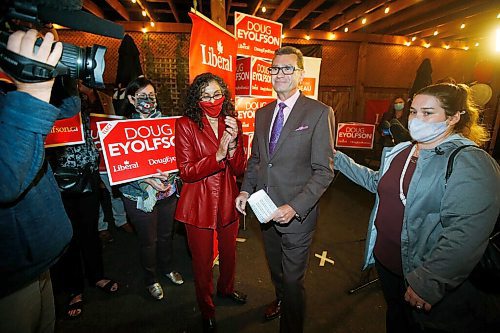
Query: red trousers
[[201, 245]]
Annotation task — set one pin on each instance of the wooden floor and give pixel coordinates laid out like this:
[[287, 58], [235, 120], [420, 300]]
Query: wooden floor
[[341, 231]]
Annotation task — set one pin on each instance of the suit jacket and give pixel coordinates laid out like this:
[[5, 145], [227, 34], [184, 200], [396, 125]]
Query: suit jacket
[[301, 168], [209, 186]]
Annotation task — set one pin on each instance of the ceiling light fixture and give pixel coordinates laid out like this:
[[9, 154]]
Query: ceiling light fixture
[[466, 48], [152, 23], [363, 21], [331, 36], [346, 29], [436, 33], [308, 37], [413, 38], [462, 26], [264, 9], [387, 9], [447, 46]]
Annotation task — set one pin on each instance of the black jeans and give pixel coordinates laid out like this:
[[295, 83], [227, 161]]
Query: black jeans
[[83, 257], [155, 232]]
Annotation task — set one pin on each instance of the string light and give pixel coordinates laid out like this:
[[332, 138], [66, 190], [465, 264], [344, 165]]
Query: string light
[[447, 46], [282, 36], [363, 21], [144, 30], [144, 13], [413, 38], [346, 29], [436, 33], [466, 48], [387, 9], [134, 1], [407, 43], [264, 9], [427, 45], [152, 23], [477, 44], [331, 36], [308, 37], [462, 26]]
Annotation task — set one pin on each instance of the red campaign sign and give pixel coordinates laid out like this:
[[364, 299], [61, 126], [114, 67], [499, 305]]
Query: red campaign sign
[[246, 107], [65, 132], [355, 135], [211, 49], [136, 148], [375, 109], [94, 119], [256, 36], [253, 78], [307, 86]]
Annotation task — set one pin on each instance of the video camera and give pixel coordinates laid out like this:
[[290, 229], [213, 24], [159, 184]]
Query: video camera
[[85, 63]]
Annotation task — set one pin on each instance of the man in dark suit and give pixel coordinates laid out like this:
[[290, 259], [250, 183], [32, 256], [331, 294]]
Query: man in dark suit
[[292, 160]]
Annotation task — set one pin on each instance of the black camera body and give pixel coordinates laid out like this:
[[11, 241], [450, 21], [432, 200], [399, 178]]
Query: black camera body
[[85, 63]]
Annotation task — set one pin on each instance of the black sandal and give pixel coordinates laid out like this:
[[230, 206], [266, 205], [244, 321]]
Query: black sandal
[[78, 305], [108, 286]]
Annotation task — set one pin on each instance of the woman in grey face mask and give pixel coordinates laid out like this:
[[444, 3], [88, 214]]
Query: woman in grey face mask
[[150, 203], [426, 235]]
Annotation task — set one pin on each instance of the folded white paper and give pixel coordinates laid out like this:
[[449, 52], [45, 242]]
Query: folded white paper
[[262, 206]]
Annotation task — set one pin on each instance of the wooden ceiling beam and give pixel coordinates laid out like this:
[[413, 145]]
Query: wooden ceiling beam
[[336, 9], [171, 4], [380, 14], [304, 12], [284, 4], [229, 3], [434, 19], [415, 12], [355, 13], [472, 23], [118, 7], [93, 8], [159, 26], [254, 7]]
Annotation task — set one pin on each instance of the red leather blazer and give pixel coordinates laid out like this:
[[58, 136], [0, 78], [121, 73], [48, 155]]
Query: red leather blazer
[[209, 186]]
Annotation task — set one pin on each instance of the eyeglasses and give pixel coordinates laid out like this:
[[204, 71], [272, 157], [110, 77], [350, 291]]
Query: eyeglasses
[[286, 70], [144, 96], [216, 96]]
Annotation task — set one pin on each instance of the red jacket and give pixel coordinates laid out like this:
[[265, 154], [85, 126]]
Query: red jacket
[[209, 186]]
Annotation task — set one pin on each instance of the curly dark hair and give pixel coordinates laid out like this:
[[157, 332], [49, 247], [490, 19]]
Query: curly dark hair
[[192, 109]]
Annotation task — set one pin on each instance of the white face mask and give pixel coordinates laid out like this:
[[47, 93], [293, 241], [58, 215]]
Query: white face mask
[[422, 131]]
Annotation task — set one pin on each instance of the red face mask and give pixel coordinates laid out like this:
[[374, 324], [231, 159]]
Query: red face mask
[[212, 109]]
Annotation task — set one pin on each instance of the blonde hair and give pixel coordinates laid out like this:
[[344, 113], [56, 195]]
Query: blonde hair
[[457, 98]]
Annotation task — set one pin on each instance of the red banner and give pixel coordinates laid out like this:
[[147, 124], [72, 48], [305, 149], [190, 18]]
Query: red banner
[[94, 119], [66, 132], [253, 78], [375, 109], [211, 49], [355, 135], [246, 108], [135, 149], [256, 36]]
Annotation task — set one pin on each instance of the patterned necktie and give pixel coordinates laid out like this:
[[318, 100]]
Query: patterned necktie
[[277, 127]]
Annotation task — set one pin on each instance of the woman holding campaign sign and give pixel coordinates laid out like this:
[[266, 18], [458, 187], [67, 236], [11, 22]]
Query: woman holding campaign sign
[[435, 209], [209, 151], [150, 203]]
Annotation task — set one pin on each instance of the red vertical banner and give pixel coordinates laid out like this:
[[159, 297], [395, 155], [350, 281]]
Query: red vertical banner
[[375, 109], [212, 49]]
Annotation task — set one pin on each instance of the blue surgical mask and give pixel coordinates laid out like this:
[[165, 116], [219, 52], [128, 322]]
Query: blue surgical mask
[[422, 131], [399, 106]]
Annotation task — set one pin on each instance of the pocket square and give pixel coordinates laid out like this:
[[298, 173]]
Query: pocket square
[[301, 128]]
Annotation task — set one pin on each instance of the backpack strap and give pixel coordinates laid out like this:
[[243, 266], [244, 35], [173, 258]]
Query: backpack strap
[[451, 159]]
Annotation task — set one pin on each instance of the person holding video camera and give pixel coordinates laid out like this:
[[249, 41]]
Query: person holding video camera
[[34, 227]]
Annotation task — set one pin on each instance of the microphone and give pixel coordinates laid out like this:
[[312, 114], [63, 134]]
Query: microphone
[[399, 132], [386, 128]]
